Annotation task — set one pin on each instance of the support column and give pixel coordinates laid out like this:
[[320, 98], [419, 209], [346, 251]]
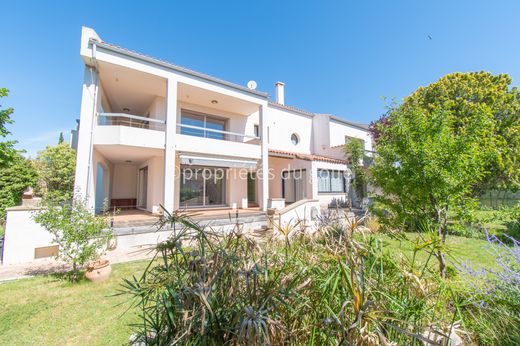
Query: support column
[[84, 177], [169, 150], [264, 163]]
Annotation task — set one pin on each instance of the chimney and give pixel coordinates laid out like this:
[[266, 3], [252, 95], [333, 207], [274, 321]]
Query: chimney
[[279, 93]]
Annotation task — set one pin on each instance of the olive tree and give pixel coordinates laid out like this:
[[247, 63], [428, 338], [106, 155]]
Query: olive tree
[[81, 235]]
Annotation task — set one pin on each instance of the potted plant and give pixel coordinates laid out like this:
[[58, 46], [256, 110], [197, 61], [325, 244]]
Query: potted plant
[[82, 237]]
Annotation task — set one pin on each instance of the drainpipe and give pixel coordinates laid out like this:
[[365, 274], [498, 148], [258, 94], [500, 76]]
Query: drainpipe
[[93, 72]]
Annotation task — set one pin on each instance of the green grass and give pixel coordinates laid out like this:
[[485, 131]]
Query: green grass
[[47, 311], [460, 249]]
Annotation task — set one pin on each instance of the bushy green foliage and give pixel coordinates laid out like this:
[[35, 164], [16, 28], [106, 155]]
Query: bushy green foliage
[[442, 147], [6, 147], [56, 167], [466, 95], [80, 235], [355, 150], [336, 287], [15, 176], [493, 297]]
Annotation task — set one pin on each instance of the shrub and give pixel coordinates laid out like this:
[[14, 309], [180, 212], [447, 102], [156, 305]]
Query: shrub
[[493, 305], [80, 235], [56, 166], [15, 176], [337, 287]]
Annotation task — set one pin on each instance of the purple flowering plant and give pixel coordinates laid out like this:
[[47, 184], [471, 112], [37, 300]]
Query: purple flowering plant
[[499, 284]]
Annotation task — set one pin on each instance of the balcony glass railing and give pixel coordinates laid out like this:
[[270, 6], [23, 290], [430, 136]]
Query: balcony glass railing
[[206, 132], [122, 119]]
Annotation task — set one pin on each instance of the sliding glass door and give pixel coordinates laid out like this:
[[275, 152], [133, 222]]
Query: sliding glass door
[[202, 125], [202, 186]]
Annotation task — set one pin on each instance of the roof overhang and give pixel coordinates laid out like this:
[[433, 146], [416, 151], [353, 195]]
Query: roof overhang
[[175, 68], [212, 161]]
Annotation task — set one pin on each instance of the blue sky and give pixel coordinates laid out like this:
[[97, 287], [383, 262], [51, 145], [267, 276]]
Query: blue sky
[[339, 57]]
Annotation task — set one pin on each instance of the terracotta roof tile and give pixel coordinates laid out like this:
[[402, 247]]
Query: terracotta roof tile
[[307, 157]]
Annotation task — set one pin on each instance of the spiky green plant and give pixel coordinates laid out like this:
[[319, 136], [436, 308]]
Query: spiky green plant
[[207, 287]]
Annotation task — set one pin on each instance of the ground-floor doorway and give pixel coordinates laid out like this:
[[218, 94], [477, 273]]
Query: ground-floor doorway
[[203, 186], [294, 185], [142, 188]]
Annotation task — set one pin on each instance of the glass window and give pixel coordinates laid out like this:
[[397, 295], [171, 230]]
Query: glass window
[[323, 181], [215, 124], [295, 139], [202, 186], [192, 120], [331, 181], [199, 125], [336, 181], [257, 130]]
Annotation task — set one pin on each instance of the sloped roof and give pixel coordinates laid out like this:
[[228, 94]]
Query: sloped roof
[[118, 49], [307, 157]]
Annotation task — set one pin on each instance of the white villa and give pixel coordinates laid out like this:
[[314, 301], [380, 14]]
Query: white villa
[[152, 133]]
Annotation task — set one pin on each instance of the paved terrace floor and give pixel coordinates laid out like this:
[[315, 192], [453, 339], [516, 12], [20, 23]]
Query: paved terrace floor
[[45, 266], [136, 217]]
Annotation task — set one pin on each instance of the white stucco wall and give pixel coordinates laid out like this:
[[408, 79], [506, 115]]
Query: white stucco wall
[[22, 236], [339, 130], [157, 109], [282, 124], [155, 188], [236, 186], [124, 181]]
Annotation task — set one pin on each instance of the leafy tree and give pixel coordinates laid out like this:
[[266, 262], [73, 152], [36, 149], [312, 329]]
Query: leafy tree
[[7, 152], [355, 150], [61, 139], [15, 176], [80, 235], [427, 165], [56, 167], [442, 147], [466, 95]]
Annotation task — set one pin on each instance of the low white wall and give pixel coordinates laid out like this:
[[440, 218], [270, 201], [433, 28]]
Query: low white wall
[[23, 235], [128, 136], [305, 210], [201, 145]]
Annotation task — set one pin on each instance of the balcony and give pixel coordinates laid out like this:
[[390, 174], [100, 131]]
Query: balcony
[[205, 140], [137, 121], [129, 130]]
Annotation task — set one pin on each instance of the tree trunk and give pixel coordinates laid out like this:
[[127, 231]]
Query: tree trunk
[[442, 264]]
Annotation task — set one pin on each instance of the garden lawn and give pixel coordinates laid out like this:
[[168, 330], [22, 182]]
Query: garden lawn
[[46, 311], [460, 250]]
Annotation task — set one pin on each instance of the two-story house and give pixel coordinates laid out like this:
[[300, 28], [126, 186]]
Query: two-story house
[[152, 133]]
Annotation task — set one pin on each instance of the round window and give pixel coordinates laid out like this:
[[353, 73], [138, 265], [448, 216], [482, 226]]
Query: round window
[[295, 139]]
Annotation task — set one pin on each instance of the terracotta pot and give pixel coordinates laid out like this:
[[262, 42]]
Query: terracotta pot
[[98, 271]]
